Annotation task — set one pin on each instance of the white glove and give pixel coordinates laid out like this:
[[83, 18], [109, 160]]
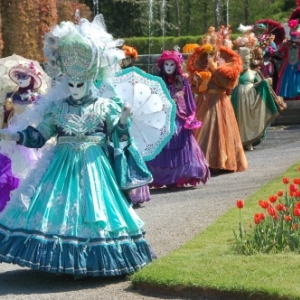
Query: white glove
[[125, 113], [9, 136]]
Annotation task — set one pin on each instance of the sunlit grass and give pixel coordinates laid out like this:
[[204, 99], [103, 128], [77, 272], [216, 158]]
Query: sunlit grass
[[208, 265]]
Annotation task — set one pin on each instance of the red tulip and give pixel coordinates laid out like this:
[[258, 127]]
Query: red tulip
[[273, 198], [257, 218], [293, 188], [263, 204], [295, 226], [240, 204], [280, 193], [288, 218], [296, 212], [262, 216], [285, 180], [275, 217], [280, 207], [297, 204], [297, 194], [296, 180], [271, 211]]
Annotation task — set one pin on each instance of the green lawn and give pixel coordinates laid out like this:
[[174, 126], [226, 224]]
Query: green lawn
[[207, 264]]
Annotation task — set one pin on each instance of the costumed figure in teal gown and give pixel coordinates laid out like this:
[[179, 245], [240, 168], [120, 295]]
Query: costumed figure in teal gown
[[70, 215], [254, 104]]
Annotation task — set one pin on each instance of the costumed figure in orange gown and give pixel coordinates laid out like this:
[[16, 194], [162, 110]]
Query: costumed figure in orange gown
[[213, 72]]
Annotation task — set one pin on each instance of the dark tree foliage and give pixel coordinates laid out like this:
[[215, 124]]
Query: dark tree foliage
[[130, 18]]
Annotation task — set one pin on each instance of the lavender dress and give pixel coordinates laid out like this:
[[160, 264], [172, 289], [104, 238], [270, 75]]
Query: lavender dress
[[181, 162]]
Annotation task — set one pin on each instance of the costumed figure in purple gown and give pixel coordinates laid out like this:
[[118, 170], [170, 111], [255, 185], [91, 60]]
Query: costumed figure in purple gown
[[28, 80], [140, 194], [181, 162]]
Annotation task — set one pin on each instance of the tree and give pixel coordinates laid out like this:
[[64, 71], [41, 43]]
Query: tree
[[246, 11], [177, 17], [21, 30], [217, 13], [47, 19]]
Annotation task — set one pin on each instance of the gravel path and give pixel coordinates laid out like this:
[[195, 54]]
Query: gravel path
[[171, 219]]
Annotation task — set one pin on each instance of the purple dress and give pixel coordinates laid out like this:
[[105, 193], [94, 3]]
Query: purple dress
[[139, 195], [181, 162], [8, 182]]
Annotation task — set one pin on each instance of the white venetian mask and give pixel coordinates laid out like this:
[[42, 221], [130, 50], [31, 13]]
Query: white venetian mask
[[78, 89], [169, 66], [23, 79]]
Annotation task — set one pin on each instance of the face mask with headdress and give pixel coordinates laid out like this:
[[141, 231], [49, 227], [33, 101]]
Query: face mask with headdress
[[198, 61], [83, 52], [197, 66], [169, 55]]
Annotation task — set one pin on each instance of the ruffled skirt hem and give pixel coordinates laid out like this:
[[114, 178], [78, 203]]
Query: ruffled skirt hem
[[139, 195], [66, 255]]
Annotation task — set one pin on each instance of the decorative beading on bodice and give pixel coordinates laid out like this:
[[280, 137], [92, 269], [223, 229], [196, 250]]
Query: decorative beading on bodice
[[80, 121]]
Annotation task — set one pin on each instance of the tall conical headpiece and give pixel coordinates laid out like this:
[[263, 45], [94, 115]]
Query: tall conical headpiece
[[82, 52]]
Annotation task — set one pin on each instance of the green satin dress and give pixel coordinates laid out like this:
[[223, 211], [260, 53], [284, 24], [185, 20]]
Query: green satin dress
[[254, 106]]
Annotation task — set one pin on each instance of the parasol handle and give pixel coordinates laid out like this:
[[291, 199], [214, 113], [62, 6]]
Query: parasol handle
[[10, 99]]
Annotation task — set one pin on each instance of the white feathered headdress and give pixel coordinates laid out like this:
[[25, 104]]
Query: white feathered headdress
[[242, 28], [83, 51]]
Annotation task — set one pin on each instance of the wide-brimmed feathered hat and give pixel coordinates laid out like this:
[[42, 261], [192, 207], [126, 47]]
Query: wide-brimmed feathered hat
[[27, 68]]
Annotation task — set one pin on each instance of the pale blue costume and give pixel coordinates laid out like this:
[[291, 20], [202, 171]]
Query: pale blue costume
[[71, 215]]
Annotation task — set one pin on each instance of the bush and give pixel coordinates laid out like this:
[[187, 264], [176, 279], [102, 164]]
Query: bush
[[167, 43]]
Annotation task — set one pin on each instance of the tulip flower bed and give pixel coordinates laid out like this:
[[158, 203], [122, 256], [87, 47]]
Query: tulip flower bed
[[276, 225], [209, 266]]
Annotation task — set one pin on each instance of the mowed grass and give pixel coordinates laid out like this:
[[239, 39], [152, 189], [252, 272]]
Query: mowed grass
[[208, 266]]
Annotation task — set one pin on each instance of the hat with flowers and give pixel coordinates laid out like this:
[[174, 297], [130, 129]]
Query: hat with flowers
[[29, 69]]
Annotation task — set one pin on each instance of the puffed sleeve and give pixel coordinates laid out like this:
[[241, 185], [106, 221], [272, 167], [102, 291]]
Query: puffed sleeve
[[37, 137], [223, 81], [115, 105]]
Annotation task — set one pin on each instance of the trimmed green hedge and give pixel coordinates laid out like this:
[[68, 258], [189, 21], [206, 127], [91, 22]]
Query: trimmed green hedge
[[166, 43]]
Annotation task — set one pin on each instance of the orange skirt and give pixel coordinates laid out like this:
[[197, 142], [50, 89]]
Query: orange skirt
[[219, 136]]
